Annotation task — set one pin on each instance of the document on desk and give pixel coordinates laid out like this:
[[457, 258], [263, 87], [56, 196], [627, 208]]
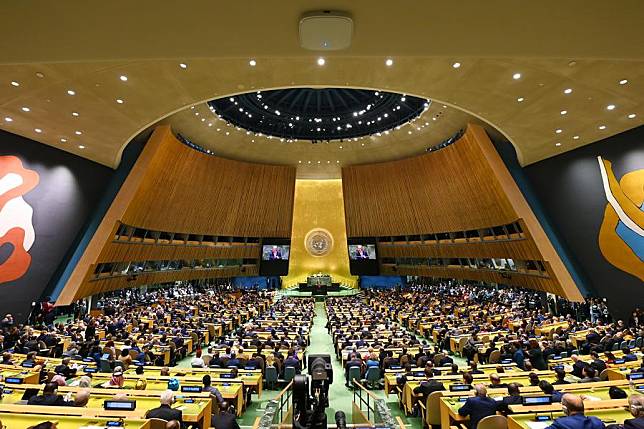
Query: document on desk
[[539, 425]]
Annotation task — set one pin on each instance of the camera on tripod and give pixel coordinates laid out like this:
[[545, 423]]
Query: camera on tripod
[[311, 393]]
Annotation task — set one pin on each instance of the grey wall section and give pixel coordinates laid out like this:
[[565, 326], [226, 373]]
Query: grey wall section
[[569, 187], [68, 191]]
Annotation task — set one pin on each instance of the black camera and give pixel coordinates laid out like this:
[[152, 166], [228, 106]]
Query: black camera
[[311, 393]]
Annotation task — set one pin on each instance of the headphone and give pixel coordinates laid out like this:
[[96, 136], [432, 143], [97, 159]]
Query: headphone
[[636, 409]]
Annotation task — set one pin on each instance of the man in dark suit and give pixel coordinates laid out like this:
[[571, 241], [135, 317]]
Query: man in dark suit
[[429, 386], [354, 361], [636, 407], [293, 361], [574, 418], [50, 397], [165, 411], [495, 382], [577, 366], [597, 363], [225, 419], [478, 407], [513, 398]]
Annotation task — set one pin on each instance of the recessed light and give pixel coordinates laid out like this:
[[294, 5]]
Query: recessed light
[[25, 109], [183, 65], [558, 131], [319, 162], [340, 147], [623, 81], [610, 107], [14, 83], [8, 119], [227, 133], [78, 133], [321, 61], [631, 116], [456, 65], [516, 76], [563, 112], [299, 162], [123, 78], [81, 146], [575, 137], [409, 132], [520, 99], [252, 63], [40, 75], [557, 144], [38, 130], [389, 62], [74, 113], [567, 90], [63, 140], [602, 127], [120, 101], [71, 92], [309, 162]]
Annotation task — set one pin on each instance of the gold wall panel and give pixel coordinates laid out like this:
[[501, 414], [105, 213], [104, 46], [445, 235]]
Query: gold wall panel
[[319, 205]]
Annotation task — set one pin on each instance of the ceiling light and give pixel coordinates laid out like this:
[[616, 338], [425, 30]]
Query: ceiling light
[[299, 162], [623, 81], [563, 112], [74, 113], [123, 77], [14, 83], [321, 61], [631, 116], [25, 109], [610, 107], [71, 92], [183, 65], [389, 62], [120, 101], [558, 131], [575, 137], [78, 133], [516, 76], [456, 65], [81, 146], [227, 133], [602, 127], [567, 90], [8, 119], [409, 132], [520, 99], [63, 140], [557, 144], [252, 63], [38, 130]]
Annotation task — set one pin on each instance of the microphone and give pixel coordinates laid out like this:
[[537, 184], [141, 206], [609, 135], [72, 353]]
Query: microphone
[[340, 420]]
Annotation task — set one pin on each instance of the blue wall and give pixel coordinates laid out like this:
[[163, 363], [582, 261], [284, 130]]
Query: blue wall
[[382, 282]]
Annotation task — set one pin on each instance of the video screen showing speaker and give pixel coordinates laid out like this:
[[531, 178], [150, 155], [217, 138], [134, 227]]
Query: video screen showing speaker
[[363, 260], [275, 255]]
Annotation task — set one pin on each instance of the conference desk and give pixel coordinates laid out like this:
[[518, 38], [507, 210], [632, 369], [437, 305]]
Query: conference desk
[[24, 416], [231, 389], [449, 402], [24, 375], [197, 412], [607, 415]]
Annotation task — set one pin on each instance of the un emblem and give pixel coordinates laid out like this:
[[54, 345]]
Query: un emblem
[[318, 242]]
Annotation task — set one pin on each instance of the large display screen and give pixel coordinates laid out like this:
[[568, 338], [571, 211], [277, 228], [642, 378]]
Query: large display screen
[[275, 252], [363, 260], [362, 251]]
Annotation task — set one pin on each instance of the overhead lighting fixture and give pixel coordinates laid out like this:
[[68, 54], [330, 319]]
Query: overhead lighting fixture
[[71, 92], [14, 83], [389, 62], [38, 130], [602, 127], [25, 109], [8, 119], [575, 137], [563, 112], [183, 65], [610, 107], [74, 113], [321, 61], [81, 146], [520, 99], [516, 76], [123, 78], [252, 63], [623, 81], [456, 65], [567, 90], [558, 131], [63, 140], [78, 133], [120, 101], [631, 116], [557, 144]]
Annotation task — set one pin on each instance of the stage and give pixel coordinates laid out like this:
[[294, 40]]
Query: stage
[[344, 291]]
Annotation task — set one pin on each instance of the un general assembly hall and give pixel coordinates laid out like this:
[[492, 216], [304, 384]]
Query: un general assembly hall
[[322, 214]]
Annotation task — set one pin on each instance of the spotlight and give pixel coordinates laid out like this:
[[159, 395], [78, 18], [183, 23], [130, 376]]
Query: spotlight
[[321, 61], [389, 62]]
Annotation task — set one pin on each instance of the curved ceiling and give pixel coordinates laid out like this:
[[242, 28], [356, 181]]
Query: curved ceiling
[[89, 89], [318, 114]]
